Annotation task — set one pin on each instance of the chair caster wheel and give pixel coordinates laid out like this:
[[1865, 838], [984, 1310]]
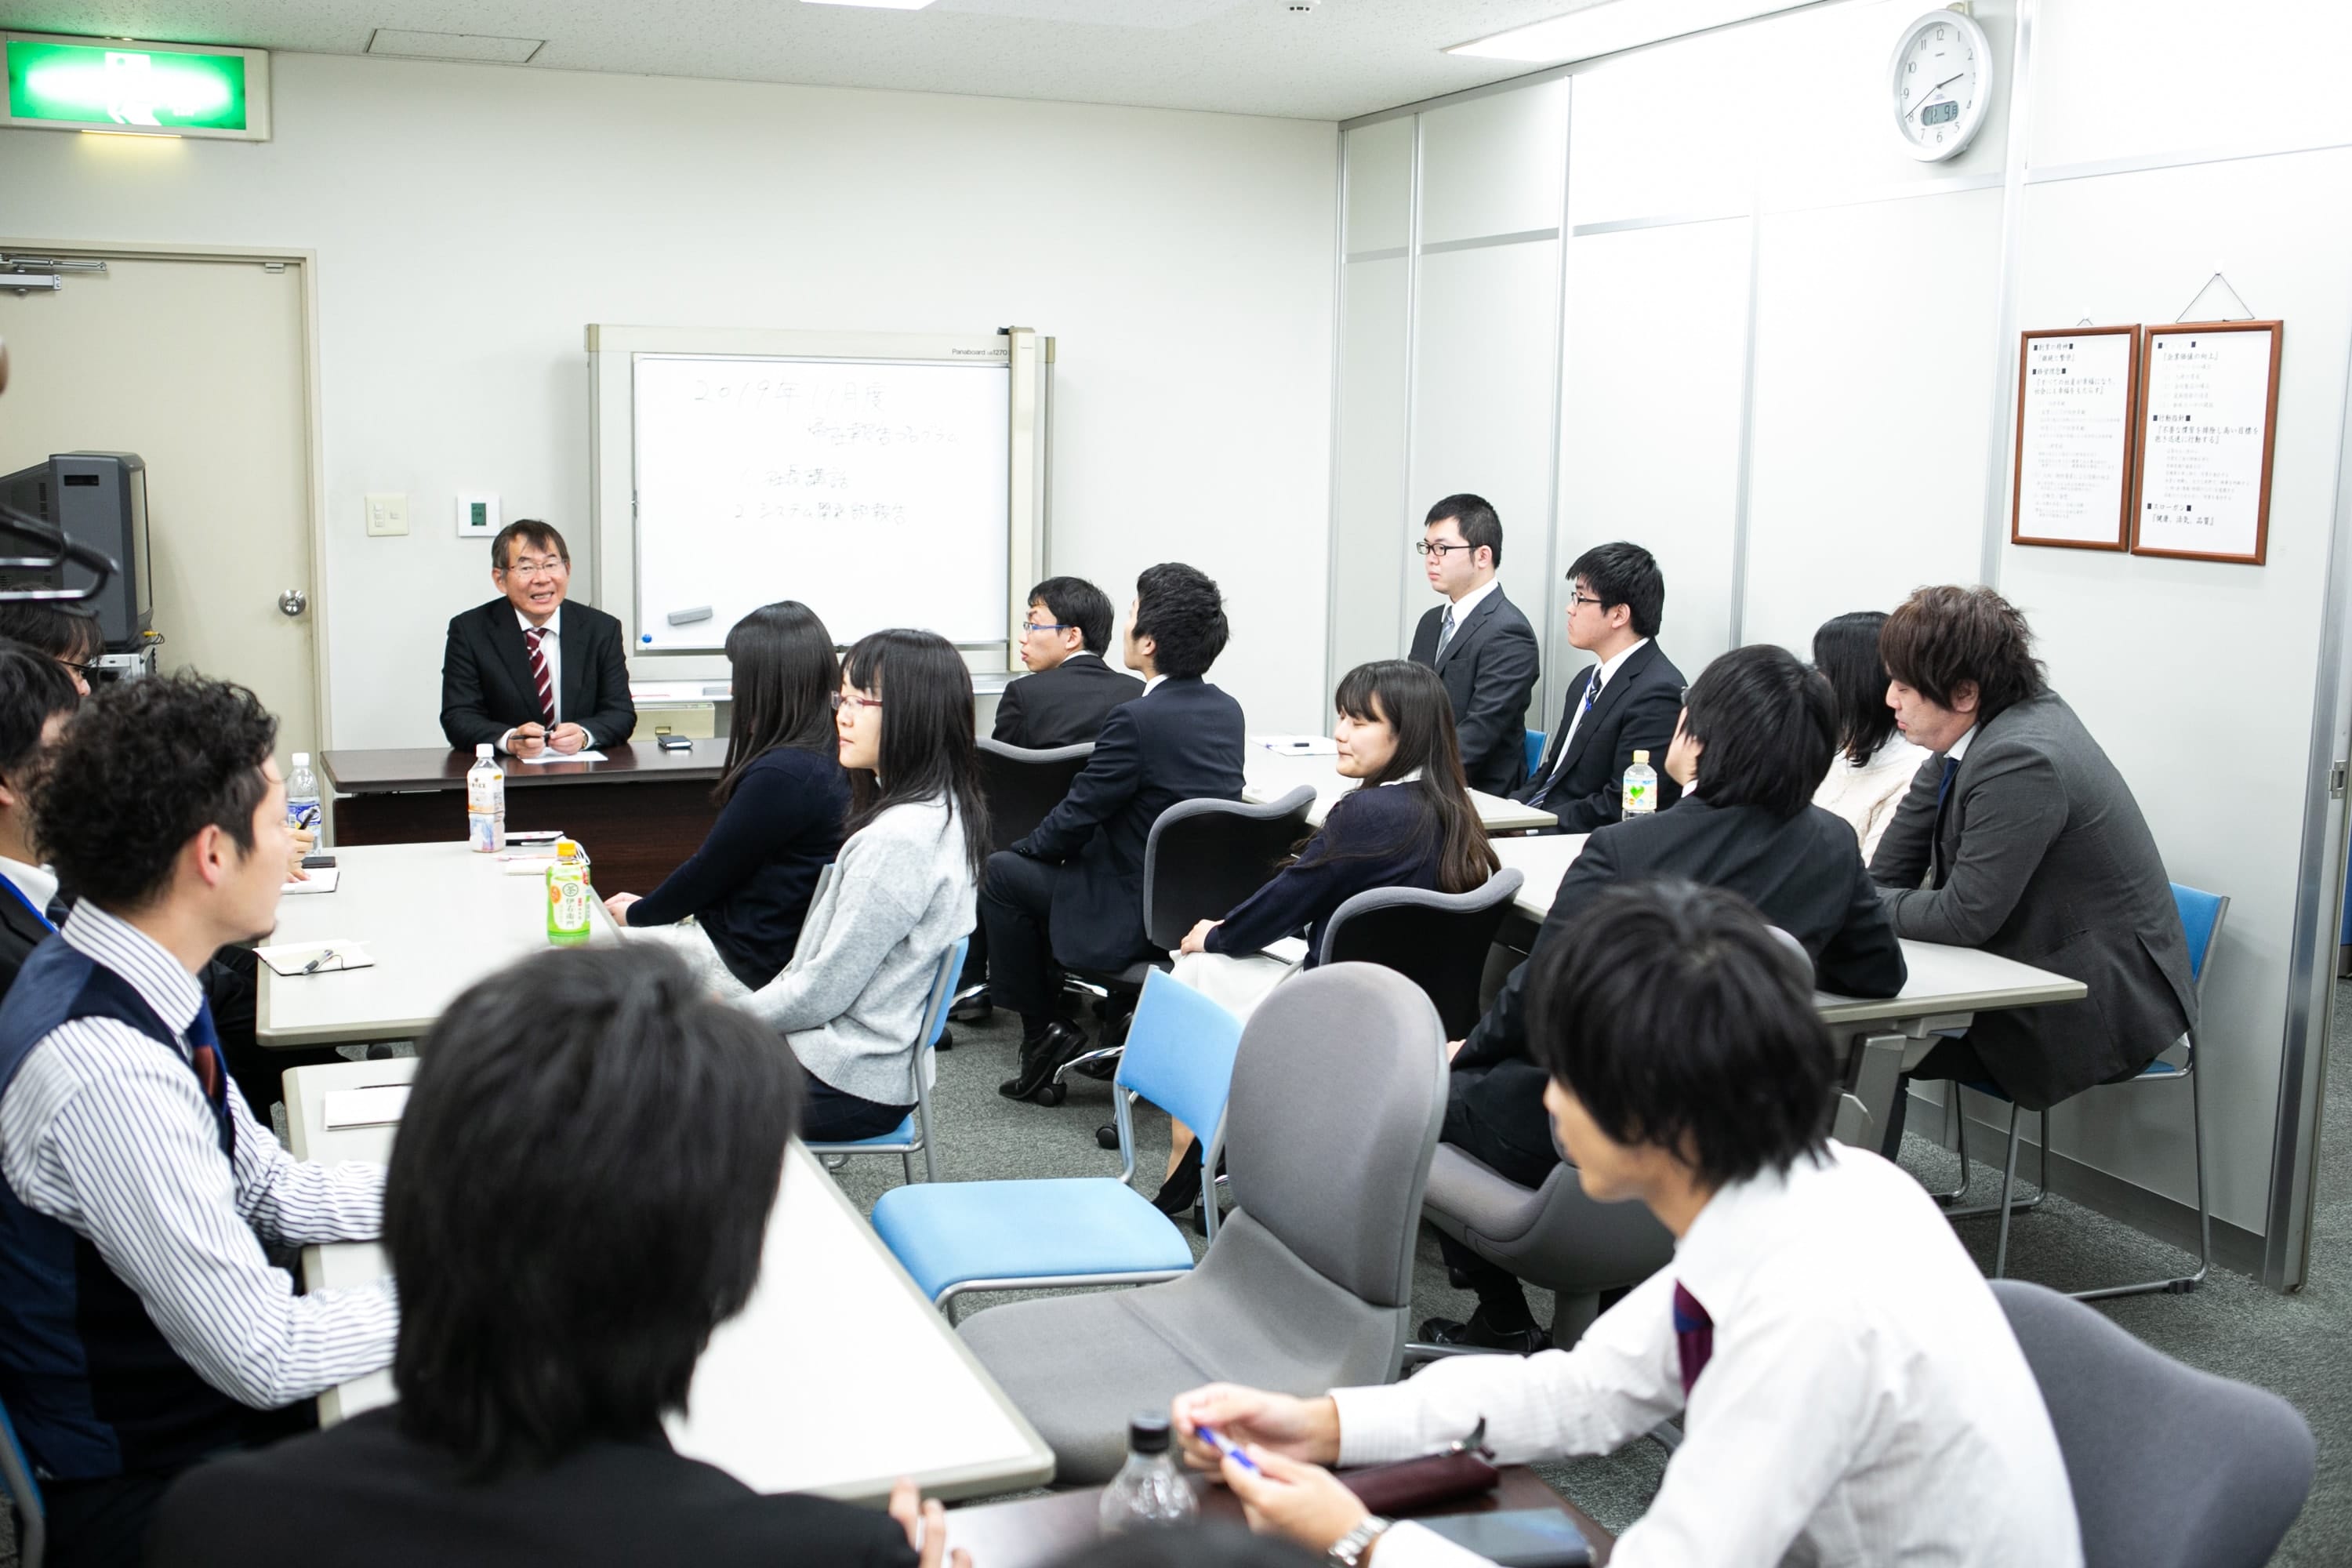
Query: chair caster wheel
[[1052, 1094], [1107, 1135]]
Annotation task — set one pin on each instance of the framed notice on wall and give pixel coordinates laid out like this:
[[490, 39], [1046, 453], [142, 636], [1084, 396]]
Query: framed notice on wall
[[2209, 417], [2077, 418]]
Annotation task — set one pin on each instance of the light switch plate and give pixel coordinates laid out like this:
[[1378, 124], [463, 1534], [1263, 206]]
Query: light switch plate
[[477, 514], [387, 513]]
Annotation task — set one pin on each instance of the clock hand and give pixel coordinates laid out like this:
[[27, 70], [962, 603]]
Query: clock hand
[[1930, 89]]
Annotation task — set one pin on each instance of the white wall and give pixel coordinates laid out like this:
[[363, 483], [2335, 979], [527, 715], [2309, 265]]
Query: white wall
[[470, 220], [1785, 356]]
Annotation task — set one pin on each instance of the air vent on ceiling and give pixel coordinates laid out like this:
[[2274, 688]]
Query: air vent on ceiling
[[454, 46]]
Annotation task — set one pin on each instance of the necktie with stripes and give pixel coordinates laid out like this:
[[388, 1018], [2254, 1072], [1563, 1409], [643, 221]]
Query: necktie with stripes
[[1694, 1336], [1444, 632], [538, 675]]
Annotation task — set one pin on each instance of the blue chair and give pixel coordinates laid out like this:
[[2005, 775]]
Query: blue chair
[[17, 1475], [2202, 914], [958, 1237], [913, 1135], [1535, 739]]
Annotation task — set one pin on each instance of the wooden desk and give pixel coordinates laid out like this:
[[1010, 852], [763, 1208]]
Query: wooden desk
[[435, 916], [1030, 1532], [1884, 1036], [837, 1378], [640, 812], [1270, 775]]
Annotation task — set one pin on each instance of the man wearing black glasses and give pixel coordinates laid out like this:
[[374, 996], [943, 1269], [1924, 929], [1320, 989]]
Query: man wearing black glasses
[[1626, 703], [1480, 645], [1069, 690]]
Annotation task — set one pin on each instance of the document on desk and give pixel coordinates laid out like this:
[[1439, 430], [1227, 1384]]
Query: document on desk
[[379, 1105], [1297, 745], [295, 960], [321, 880], [591, 755]]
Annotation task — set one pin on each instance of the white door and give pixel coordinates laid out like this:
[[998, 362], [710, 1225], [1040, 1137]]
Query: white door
[[199, 367]]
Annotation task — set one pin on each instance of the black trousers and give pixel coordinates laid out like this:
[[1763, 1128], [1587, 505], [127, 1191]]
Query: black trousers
[[1016, 910], [1499, 1296], [1950, 1059]]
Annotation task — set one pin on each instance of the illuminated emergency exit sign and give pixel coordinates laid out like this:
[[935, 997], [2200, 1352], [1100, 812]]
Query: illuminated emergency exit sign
[[137, 89]]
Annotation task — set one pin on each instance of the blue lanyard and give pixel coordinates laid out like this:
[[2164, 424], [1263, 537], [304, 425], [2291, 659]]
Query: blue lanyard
[[18, 893]]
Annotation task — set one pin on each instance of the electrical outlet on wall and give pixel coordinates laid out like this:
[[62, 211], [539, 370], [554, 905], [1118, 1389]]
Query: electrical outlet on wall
[[387, 513], [477, 514]]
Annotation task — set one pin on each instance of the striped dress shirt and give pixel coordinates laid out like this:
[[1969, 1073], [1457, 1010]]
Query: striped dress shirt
[[105, 1133], [1864, 1402]]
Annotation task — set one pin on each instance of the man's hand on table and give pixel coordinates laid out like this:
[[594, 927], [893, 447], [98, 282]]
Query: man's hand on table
[[1288, 1441], [926, 1524]]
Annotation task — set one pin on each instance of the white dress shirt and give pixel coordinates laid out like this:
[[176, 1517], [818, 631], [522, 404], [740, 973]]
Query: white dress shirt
[[1608, 666], [1151, 685], [1865, 1402], [38, 883], [1960, 747], [551, 648], [103, 1131]]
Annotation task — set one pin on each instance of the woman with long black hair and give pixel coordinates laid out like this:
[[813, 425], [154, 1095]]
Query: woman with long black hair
[[781, 801], [853, 998], [1874, 766]]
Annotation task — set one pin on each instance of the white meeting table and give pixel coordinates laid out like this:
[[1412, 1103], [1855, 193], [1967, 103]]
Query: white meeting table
[[837, 1378], [1268, 775], [435, 916], [1883, 1037]]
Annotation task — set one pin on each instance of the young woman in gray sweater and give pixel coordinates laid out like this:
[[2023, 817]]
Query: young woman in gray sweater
[[850, 1003]]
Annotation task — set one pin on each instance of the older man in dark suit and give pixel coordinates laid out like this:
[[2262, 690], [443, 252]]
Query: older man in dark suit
[[530, 672], [2019, 837], [1626, 703], [1482, 647]]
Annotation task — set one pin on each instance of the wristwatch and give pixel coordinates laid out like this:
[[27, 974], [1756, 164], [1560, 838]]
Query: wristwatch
[[1347, 1551]]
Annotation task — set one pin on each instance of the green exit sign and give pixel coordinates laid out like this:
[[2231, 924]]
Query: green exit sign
[[137, 89]]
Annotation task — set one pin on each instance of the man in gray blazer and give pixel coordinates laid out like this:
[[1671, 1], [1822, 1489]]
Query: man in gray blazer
[[1482, 647], [2019, 837]]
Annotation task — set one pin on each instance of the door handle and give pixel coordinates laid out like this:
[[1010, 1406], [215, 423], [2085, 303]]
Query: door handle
[[293, 602]]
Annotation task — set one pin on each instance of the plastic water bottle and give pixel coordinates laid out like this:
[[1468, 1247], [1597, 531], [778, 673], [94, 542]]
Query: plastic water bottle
[[1641, 787], [486, 803], [1149, 1489], [567, 897], [302, 794]]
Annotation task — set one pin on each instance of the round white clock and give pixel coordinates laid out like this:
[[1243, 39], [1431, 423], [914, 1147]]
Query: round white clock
[[1942, 83]]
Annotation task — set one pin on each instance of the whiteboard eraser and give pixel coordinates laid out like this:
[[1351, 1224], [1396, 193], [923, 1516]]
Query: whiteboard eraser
[[687, 618]]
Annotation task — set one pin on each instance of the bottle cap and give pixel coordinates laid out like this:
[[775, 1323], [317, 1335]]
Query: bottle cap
[[1641, 756], [567, 849], [301, 759], [1147, 1432], [482, 750]]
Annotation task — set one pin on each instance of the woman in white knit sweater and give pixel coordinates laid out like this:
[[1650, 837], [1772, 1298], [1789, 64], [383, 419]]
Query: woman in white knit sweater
[[1874, 766], [850, 1003]]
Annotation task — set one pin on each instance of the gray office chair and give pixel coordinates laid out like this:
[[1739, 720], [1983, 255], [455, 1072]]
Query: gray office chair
[[1339, 1087], [1437, 940], [16, 1482], [1021, 786], [2170, 1468]]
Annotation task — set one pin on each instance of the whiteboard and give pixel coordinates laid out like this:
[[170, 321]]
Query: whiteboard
[[875, 492]]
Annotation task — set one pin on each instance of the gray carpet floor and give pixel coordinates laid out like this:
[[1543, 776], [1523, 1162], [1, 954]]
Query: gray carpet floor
[[2299, 1345]]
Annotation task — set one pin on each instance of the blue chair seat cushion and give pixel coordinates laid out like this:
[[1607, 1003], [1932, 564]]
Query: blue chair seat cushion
[[952, 1233], [899, 1137]]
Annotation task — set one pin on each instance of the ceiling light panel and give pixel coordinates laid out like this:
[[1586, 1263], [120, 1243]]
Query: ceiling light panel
[[1614, 24], [874, 4], [453, 46]]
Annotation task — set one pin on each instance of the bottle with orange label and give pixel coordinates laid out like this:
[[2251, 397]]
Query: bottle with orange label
[[568, 897]]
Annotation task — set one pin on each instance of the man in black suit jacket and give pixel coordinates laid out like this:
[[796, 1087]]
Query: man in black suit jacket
[[1481, 647], [1072, 891], [1756, 740], [36, 701], [527, 672], [1625, 703], [2021, 838], [592, 1127], [1069, 690]]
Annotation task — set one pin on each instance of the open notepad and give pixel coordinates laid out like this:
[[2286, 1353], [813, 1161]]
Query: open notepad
[[302, 958]]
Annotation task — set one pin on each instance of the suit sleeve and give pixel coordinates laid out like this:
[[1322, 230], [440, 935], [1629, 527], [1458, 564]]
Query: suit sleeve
[[2013, 810], [465, 722], [1101, 790], [1010, 725], [1647, 725], [1906, 846], [1508, 664], [1862, 958], [616, 717], [1502, 1035]]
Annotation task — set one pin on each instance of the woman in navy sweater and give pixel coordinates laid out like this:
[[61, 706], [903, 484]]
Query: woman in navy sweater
[[782, 801], [1409, 823]]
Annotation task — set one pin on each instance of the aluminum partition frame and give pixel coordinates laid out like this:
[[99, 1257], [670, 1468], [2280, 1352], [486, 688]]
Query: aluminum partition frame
[[2323, 854]]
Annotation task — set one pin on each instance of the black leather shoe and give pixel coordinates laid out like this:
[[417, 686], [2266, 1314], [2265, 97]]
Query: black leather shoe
[[1479, 1334], [947, 1040], [973, 1010], [1181, 1191], [1039, 1061]]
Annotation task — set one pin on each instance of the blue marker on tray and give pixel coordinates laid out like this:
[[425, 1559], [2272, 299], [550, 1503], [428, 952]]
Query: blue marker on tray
[[1216, 1439]]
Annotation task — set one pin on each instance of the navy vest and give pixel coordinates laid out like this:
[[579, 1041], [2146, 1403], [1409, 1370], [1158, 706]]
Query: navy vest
[[93, 1388]]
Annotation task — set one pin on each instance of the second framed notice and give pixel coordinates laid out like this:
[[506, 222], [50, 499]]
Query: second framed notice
[[2207, 424], [2077, 428]]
